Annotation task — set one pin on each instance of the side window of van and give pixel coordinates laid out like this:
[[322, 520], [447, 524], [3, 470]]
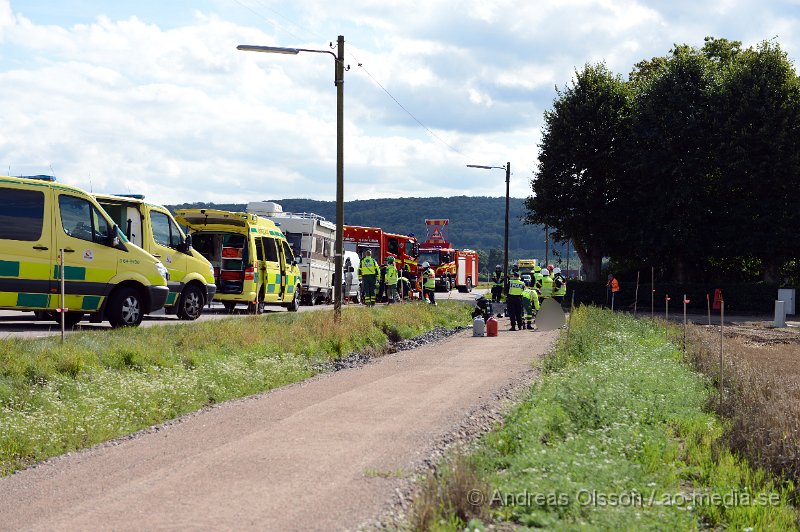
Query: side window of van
[[80, 219], [287, 252], [270, 251], [165, 232], [22, 216], [259, 242]]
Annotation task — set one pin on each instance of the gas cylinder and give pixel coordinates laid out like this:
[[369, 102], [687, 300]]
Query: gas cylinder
[[491, 326], [478, 326]]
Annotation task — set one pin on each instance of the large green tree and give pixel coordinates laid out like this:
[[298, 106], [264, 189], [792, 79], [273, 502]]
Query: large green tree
[[671, 172], [759, 153], [575, 187]]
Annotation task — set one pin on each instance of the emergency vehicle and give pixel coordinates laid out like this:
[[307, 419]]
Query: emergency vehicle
[[104, 275], [311, 237], [253, 263], [455, 268], [152, 227], [403, 248]]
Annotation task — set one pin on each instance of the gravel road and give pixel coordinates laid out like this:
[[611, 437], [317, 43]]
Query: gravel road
[[331, 452]]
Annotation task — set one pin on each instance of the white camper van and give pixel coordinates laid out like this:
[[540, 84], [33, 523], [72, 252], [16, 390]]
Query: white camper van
[[312, 237]]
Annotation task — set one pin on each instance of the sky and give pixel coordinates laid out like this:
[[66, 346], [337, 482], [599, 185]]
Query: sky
[[152, 97]]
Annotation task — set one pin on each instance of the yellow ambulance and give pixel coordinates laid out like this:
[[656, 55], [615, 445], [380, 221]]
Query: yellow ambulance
[[253, 263], [152, 227], [104, 275]]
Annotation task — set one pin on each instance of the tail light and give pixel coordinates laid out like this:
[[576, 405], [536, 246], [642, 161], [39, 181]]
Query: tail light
[[249, 273], [232, 275]]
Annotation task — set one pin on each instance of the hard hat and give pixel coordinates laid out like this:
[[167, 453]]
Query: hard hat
[[537, 269], [425, 264], [390, 259], [498, 267], [555, 270], [545, 272], [550, 267], [478, 296]]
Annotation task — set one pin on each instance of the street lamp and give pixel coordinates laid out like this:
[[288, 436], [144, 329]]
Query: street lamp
[[338, 80], [507, 168]]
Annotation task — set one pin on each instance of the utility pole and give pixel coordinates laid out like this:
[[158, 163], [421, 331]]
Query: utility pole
[[337, 290], [546, 245]]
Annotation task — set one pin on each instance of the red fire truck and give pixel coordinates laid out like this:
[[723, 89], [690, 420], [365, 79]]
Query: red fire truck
[[455, 268], [403, 248]]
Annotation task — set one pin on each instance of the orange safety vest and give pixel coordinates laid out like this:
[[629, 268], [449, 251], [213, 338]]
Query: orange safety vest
[[614, 284]]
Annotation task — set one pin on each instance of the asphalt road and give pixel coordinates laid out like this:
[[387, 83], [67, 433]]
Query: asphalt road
[[17, 324]]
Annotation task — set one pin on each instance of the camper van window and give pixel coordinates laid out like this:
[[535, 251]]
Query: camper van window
[[270, 252], [294, 241], [392, 246], [320, 245], [23, 215], [329, 248]]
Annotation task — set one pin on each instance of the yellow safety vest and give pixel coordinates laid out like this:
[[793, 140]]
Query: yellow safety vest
[[516, 287], [430, 278], [368, 266], [547, 286], [391, 275], [563, 290]]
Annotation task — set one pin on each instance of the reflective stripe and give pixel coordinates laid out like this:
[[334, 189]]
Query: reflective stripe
[[516, 287]]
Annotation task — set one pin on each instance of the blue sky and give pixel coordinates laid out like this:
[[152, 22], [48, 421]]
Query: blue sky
[[153, 97]]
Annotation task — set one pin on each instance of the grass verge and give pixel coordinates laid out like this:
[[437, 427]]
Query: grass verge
[[101, 385], [614, 436]]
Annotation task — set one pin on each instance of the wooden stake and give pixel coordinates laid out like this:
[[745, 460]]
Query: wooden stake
[[721, 347], [636, 297]]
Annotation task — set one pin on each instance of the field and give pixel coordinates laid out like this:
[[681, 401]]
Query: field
[[761, 391], [101, 385], [616, 434]]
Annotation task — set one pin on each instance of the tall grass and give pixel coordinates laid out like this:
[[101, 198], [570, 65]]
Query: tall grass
[[761, 397], [103, 384], [615, 436]]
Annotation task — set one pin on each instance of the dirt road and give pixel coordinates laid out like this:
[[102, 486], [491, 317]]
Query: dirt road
[[327, 453]]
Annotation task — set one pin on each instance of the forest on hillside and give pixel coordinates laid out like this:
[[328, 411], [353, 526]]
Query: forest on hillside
[[475, 222]]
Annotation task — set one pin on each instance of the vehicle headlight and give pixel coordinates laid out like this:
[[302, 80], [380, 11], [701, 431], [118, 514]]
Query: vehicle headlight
[[163, 271]]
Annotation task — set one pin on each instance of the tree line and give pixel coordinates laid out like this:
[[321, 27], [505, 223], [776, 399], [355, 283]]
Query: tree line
[[475, 222], [690, 165]]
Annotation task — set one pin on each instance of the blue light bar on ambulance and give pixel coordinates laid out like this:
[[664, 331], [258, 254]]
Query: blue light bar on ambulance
[[40, 177], [132, 196]]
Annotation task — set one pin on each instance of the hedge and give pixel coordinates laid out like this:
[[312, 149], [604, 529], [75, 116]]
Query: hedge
[[752, 298]]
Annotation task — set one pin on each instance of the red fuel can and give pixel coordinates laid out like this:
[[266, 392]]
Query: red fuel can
[[491, 326]]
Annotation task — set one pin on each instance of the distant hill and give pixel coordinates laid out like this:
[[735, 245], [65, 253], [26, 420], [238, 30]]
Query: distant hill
[[475, 222]]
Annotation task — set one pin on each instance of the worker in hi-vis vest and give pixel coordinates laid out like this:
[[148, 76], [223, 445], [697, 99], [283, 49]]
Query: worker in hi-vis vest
[[547, 285], [516, 289], [368, 270], [390, 280], [428, 283]]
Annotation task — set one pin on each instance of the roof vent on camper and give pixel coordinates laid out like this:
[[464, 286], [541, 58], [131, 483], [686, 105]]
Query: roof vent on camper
[[264, 208]]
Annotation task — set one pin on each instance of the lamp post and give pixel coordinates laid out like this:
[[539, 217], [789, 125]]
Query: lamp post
[[339, 82], [507, 168]]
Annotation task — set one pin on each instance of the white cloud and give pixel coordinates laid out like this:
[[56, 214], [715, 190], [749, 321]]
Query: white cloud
[[133, 102]]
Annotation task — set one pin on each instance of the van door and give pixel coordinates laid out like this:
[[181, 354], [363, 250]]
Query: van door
[[272, 271], [89, 263], [26, 250], [287, 280], [162, 245]]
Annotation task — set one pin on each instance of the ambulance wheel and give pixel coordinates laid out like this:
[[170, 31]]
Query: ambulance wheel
[[257, 307], [190, 304], [294, 306], [229, 306], [125, 307]]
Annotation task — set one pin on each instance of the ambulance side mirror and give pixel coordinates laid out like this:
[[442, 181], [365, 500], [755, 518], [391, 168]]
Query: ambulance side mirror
[[298, 260], [113, 237], [185, 246]]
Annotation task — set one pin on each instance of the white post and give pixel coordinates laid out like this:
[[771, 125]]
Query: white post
[[780, 314], [62, 311]]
